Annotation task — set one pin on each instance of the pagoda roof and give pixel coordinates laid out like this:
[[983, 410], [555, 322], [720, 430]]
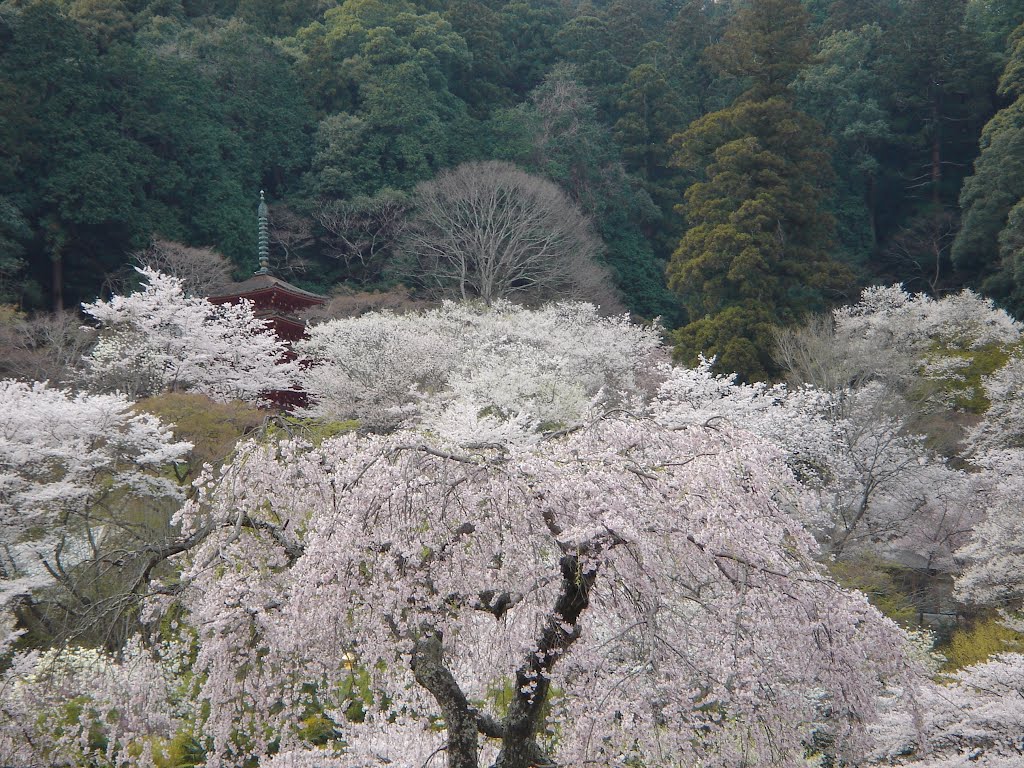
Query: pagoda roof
[[262, 285]]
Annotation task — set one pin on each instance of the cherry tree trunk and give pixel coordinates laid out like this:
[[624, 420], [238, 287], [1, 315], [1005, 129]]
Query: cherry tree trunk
[[460, 722]]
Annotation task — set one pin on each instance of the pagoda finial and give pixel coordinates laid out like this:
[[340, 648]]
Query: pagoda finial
[[264, 237]]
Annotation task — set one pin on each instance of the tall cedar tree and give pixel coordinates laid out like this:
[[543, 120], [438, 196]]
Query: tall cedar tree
[[991, 239], [755, 253], [938, 99]]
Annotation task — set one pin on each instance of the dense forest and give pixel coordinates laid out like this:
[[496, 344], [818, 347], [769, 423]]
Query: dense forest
[[635, 384], [773, 158]]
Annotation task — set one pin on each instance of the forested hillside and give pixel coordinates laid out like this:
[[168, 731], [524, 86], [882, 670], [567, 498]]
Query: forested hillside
[[632, 384], [775, 157]]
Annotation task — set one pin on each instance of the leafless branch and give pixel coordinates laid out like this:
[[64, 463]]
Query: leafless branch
[[492, 231]]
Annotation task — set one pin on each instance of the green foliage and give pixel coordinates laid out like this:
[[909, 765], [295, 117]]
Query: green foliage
[[379, 73], [486, 84], [530, 28], [212, 428], [315, 431], [843, 89], [120, 120], [756, 249], [279, 17], [766, 44], [1008, 282], [996, 186], [873, 577], [355, 690], [318, 729], [14, 235], [994, 21], [114, 141], [739, 337], [979, 641], [74, 170], [1011, 83], [939, 80], [262, 102], [965, 389], [758, 239], [853, 14], [558, 133], [990, 238], [182, 751], [646, 77], [703, 87]]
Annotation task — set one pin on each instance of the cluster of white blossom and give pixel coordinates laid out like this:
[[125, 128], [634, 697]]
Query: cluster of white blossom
[[60, 454], [975, 719], [1002, 425], [563, 550], [474, 373], [993, 571], [81, 706], [898, 338], [981, 506], [657, 578], [159, 339], [879, 486], [890, 318]]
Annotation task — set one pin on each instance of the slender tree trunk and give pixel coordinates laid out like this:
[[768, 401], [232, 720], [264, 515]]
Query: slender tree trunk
[[872, 204], [936, 189], [936, 149], [57, 279]]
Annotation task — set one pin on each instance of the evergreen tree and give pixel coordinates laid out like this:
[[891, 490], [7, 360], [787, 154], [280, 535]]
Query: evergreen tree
[[113, 140], [559, 134], [995, 21], [843, 89], [485, 83], [854, 14], [756, 249], [701, 86], [939, 99], [263, 104], [380, 73], [75, 174], [990, 243], [766, 44], [530, 29], [941, 91]]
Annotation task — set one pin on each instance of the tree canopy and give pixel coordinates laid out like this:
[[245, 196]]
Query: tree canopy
[[756, 250], [518, 536], [777, 527], [125, 121]]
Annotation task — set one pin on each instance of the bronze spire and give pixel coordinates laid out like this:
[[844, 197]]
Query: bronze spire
[[264, 237]]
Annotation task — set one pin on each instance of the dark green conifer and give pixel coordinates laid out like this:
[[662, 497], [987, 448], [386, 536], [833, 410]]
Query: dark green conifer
[[756, 251]]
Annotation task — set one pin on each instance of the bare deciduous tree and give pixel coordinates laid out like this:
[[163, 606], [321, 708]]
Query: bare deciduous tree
[[202, 271], [291, 234], [492, 231], [43, 347], [920, 252], [347, 302], [364, 231], [816, 354]]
